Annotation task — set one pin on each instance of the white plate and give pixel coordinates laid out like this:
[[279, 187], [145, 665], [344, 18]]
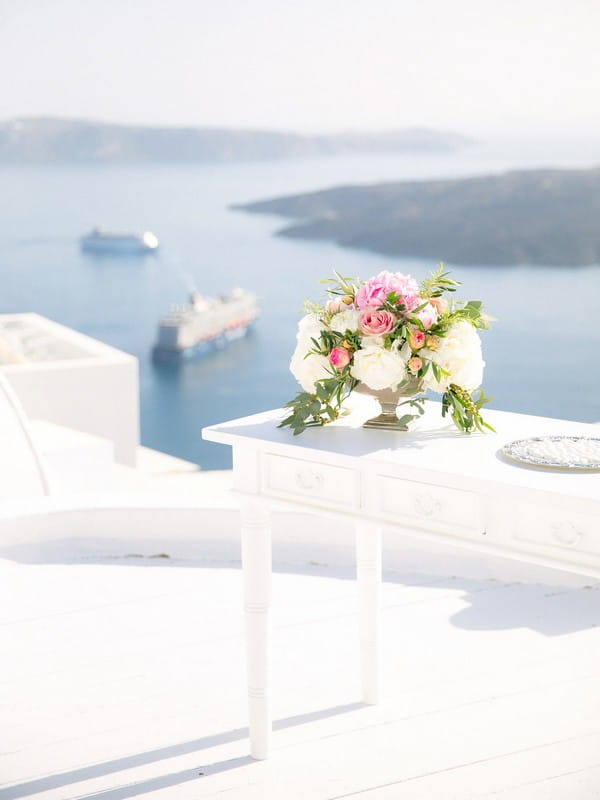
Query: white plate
[[559, 452]]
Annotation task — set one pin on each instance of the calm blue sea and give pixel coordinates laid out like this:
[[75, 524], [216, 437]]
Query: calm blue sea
[[542, 355]]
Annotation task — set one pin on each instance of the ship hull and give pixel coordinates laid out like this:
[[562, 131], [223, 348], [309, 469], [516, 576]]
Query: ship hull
[[178, 355]]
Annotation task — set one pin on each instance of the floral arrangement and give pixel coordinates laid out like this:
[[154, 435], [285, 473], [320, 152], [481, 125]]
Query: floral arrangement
[[389, 333]]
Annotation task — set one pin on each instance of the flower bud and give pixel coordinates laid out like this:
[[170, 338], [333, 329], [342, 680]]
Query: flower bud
[[432, 342], [414, 364], [333, 306], [416, 339]]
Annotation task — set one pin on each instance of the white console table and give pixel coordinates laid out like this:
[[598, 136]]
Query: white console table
[[432, 479]]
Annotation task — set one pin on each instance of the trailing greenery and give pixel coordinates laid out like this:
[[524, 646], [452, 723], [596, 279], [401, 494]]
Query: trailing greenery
[[465, 409], [322, 407]]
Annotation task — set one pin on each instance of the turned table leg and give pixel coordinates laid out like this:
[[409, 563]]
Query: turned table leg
[[256, 567], [368, 574]]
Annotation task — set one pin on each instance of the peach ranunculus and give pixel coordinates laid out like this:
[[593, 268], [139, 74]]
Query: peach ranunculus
[[440, 303], [376, 323], [416, 339], [414, 364], [340, 357]]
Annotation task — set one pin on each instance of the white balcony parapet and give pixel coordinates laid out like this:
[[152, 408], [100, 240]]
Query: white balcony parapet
[[67, 378]]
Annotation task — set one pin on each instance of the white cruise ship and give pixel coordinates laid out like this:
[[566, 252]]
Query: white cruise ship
[[101, 241], [203, 324]]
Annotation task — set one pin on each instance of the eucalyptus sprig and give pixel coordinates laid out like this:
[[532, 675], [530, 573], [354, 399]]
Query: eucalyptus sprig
[[416, 403], [324, 406]]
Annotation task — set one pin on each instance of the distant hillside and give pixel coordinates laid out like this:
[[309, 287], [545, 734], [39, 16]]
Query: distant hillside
[[47, 140], [547, 216]]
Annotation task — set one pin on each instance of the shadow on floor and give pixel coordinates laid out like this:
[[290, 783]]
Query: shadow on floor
[[61, 779]]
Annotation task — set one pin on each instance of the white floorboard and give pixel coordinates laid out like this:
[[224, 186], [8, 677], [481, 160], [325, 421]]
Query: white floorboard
[[124, 678]]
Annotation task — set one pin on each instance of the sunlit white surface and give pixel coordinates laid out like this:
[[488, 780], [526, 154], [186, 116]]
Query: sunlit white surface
[[122, 676]]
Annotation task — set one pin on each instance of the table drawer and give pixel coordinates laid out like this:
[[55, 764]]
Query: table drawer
[[325, 484], [430, 505], [556, 529]]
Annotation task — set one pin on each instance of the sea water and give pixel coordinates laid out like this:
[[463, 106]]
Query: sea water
[[542, 354]]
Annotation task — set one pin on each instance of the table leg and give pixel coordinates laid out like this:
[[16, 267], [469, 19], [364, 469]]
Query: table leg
[[368, 573], [256, 566]]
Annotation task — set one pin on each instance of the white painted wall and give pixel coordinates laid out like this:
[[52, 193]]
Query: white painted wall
[[97, 393]]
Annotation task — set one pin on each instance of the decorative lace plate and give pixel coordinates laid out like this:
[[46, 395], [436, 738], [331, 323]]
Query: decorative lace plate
[[558, 452]]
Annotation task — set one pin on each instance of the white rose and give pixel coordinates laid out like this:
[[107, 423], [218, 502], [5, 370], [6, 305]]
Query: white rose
[[459, 353], [378, 368], [344, 321]]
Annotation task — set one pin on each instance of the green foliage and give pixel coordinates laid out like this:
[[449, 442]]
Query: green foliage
[[438, 283], [472, 311], [324, 406], [308, 307], [465, 409], [341, 286], [416, 404]]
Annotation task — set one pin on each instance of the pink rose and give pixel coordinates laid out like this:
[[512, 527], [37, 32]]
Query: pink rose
[[414, 364], [376, 289], [416, 339], [339, 357], [427, 315], [375, 323]]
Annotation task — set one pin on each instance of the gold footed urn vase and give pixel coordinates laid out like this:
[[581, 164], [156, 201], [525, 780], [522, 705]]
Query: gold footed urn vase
[[389, 399]]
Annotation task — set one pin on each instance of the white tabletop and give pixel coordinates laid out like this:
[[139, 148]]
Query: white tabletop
[[432, 444]]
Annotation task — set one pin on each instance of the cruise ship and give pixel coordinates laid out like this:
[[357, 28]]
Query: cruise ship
[[101, 241], [203, 324]]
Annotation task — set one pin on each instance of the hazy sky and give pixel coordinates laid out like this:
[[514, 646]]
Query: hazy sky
[[311, 65]]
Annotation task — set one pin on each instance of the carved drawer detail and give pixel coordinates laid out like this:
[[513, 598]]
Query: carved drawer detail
[[297, 478], [550, 527], [430, 505]]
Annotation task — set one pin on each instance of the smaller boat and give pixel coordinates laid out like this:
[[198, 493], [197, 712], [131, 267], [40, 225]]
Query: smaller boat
[[101, 241]]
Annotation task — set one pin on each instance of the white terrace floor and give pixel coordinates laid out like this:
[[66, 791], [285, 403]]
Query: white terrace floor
[[123, 677]]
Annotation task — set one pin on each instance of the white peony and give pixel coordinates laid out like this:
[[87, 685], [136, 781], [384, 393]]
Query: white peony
[[459, 353], [309, 327], [378, 368], [308, 369], [344, 321]]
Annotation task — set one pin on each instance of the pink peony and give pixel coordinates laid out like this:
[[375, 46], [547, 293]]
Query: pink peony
[[416, 339], [427, 315], [339, 357], [375, 323], [376, 289]]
